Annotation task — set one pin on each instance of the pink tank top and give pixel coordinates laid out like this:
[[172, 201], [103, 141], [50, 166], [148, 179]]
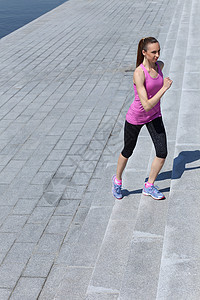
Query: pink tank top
[[136, 114]]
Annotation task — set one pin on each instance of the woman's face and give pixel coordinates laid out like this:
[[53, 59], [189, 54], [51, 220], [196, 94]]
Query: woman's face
[[152, 53]]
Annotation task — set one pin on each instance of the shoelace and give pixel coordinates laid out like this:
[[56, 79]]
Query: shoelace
[[156, 189], [117, 188]]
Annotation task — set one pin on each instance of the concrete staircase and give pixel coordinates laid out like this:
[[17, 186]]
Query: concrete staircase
[[180, 266], [138, 248]]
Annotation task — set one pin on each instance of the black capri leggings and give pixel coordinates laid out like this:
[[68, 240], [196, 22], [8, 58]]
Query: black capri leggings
[[157, 132]]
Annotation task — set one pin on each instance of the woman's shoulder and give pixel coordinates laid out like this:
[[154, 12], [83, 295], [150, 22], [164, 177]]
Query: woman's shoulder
[[138, 74], [139, 71]]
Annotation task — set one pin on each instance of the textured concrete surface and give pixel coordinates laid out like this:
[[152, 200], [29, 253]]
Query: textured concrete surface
[[65, 87]]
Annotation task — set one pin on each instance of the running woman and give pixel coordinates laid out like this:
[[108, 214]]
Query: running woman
[[149, 87]]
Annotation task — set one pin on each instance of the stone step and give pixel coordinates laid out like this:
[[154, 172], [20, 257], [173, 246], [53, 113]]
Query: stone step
[[146, 249]]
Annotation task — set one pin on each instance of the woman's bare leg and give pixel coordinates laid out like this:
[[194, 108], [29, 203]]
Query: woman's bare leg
[[122, 161], [156, 166]]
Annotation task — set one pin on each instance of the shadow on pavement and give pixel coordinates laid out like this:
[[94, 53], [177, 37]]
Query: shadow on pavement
[[181, 160], [127, 193], [179, 167]]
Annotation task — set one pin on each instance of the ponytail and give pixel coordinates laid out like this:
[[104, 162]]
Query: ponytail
[[143, 46]]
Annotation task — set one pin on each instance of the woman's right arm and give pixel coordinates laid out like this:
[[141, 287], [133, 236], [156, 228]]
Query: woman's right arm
[[139, 79]]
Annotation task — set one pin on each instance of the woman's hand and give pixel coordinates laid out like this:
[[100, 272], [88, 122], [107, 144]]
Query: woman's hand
[[167, 83]]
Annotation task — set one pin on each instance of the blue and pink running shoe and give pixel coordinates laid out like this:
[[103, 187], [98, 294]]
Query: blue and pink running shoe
[[116, 189], [153, 192]]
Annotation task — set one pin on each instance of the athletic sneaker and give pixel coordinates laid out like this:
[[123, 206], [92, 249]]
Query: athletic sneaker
[[116, 189], [153, 192]]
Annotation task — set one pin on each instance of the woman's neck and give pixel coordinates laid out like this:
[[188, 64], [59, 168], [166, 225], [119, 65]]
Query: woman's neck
[[148, 65]]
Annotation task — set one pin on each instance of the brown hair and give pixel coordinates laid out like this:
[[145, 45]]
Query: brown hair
[[143, 46]]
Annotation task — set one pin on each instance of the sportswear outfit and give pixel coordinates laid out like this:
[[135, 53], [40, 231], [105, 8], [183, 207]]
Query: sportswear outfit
[[137, 117]]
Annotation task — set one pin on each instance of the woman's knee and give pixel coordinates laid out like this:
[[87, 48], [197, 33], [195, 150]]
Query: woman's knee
[[162, 154], [126, 152]]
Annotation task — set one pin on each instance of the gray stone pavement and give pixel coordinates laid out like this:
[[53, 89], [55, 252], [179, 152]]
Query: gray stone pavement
[[65, 87]]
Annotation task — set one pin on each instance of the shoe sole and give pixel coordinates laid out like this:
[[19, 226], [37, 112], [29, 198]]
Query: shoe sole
[[146, 194]]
